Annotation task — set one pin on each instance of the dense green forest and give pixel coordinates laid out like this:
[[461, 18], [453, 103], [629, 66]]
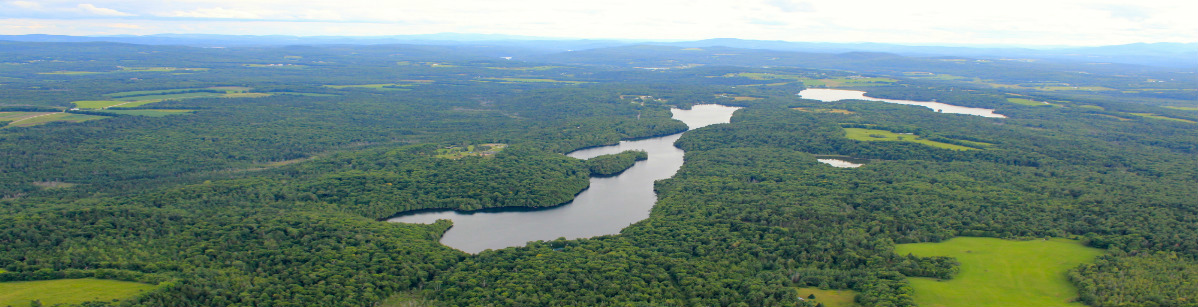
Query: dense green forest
[[266, 183]]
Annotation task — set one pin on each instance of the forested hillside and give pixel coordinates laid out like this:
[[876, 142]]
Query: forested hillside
[[261, 176]]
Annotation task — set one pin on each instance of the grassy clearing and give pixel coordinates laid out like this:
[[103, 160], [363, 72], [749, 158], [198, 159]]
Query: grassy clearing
[[1029, 102], [745, 98], [996, 272], [830, 298], [245, 95], [13, 116], [820, 110], [457, 152], [406, 299], [1183, 108], [157, 98], [68, 291], [96, 104], [534, 80], [1155, 116], [43, 118], [861, 134], [51, 185], [151, 112], [304, 94], [138, 98]]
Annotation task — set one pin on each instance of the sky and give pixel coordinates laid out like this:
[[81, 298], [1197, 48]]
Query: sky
[[917, 22]]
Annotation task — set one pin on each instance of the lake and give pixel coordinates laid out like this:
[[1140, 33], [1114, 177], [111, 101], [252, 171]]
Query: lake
[[605, 208], [824, 94]]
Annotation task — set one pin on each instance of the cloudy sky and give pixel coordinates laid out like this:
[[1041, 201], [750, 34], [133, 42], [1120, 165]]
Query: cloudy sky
[[940, 22]]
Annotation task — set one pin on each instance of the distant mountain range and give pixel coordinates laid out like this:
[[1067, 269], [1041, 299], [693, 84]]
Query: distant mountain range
[[1174, 55]]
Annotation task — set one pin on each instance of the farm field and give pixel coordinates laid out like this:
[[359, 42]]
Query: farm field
[[997, 272], [1154, 116], [68, 291], [1183, 108], [862, 134], [1029, 102], [133, 99], [42, 118], [830, 298]]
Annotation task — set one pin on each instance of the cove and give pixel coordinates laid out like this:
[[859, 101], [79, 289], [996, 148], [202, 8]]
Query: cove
[[604, 208], [829, 95]]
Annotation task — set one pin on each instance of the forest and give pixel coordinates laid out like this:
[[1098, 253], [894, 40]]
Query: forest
[[279, 198]]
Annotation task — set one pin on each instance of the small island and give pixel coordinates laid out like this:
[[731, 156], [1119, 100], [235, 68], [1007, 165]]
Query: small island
[[614, 164]]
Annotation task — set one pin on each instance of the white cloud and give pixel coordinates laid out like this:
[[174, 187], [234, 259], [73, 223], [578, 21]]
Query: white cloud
[[25, 5], [99, 11], [216, 12], [1027, 22]]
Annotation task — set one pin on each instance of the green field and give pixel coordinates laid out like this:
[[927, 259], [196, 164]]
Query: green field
[[68, 291], [42, 118], [11, 116], [304, 94], [861, 134], [97, 104], [1154, 116], [997, 272], [1029, 102], [157, 98], [1183, 108], [150, 112], [830, 298], [133, 99]]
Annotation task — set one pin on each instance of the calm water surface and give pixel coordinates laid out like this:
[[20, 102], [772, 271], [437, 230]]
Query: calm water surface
[[609, 205], [824, 94]]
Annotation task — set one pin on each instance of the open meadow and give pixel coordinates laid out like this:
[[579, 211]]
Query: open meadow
[[997, 272]]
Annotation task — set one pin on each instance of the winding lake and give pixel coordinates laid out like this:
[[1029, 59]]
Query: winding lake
[[825, 94], [606, 207]]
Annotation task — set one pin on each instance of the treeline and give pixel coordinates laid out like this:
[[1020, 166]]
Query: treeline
[[1148, 279]]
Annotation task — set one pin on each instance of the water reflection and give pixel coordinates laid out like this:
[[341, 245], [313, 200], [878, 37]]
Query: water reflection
[[824, 94]]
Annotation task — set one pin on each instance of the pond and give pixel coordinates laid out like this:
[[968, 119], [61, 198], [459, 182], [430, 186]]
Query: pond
[[605, 208], [824, 94]]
